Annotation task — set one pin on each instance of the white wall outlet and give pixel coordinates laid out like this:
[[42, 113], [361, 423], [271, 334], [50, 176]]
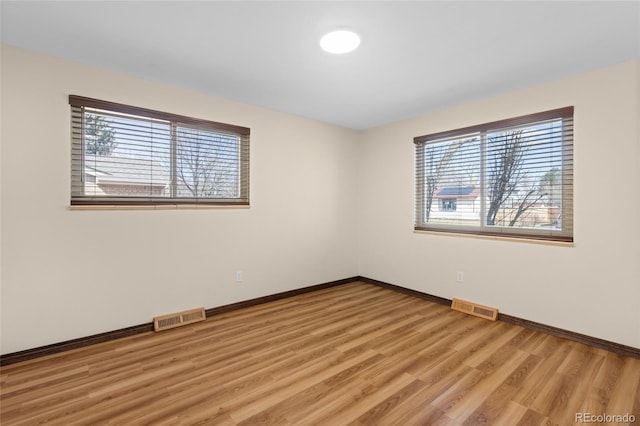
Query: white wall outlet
[[460, 276], [239, 276]]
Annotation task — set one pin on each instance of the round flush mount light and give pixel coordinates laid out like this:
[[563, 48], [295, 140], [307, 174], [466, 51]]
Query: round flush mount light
[[341, 41]]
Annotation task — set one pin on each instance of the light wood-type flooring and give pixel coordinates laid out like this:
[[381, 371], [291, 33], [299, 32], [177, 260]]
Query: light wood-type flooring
[[353, 354]]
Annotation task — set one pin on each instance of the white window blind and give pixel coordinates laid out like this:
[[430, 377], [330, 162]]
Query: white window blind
[[512, 178], [129, 155]]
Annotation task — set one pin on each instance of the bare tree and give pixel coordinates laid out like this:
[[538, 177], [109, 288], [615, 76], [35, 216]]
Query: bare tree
[[506, 176], [531, 197], [437, 168], [203, 168]]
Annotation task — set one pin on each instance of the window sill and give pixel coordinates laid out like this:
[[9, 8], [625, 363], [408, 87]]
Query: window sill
[[160, 207], [497, 238]]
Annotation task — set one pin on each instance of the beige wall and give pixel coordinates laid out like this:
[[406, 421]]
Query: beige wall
[[592, 288], [68, 274]]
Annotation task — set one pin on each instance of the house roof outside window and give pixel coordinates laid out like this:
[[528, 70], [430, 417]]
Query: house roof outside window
[[467, 191]]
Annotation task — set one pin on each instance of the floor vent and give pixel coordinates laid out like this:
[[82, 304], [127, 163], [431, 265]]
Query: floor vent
[[165, 322], [474, 309]]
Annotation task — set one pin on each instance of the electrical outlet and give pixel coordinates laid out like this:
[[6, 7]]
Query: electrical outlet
[[460, 276], [239, 277]]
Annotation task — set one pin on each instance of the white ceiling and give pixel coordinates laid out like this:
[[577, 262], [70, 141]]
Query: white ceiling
[[414, 57]]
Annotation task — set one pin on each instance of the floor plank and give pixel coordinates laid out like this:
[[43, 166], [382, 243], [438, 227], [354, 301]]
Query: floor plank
[[354, 354]]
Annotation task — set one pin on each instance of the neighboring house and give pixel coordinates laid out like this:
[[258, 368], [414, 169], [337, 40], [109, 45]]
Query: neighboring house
[[461, 204], [456, 202], [124, 176]]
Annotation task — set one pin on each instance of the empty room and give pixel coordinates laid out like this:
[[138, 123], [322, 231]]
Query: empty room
[[331, 213]]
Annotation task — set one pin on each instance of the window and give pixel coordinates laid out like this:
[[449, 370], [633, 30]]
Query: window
[[509, 178], [124, 155], [448, 205]]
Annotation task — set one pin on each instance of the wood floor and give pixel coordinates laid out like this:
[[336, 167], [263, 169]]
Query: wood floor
[[353, 354]]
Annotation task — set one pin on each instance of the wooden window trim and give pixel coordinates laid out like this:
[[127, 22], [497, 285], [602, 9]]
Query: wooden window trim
[[566, 112]]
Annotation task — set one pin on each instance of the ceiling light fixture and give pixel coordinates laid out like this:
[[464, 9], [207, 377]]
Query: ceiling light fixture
[[341, 41]]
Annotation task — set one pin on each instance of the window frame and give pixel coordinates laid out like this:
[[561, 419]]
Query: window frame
[[565, 234], [78, 105]]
